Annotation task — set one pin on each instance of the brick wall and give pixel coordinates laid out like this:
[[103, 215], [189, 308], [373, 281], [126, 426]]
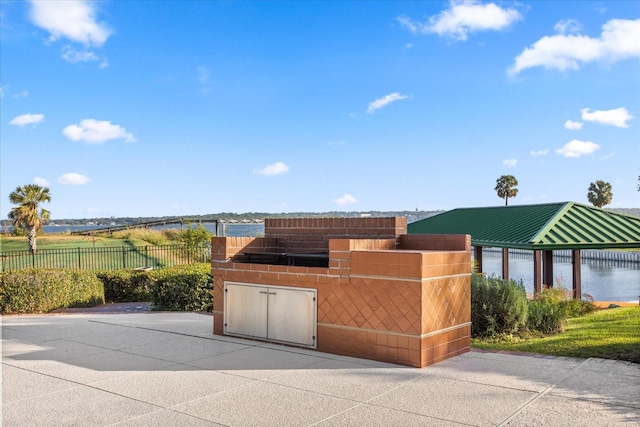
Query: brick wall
[[395, 297], [313, 234]]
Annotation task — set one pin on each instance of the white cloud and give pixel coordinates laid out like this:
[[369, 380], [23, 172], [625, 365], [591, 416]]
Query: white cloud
[[464, 17], [72, 178], [620, 39], [96, 132], [567, 26], [71, 19], [539, 153], [40, 181], [385, 100], [571, 125], [347, 199], [577, 148], [510, 163], [273, 169], [330, 143], [617, 117], [27, 119], [74, 56]]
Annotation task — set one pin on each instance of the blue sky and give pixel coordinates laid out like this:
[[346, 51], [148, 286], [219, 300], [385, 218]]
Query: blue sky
[[157, 108]]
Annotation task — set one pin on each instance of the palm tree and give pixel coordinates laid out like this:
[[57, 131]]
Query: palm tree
[[28, 214], [505, 187], [599, 193]]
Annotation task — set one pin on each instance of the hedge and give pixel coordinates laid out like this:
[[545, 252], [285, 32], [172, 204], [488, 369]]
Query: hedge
[[126, 285], [40, 290], [181, 288]]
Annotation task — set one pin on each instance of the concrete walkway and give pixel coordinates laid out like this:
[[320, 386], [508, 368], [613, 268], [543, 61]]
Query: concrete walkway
[[167, 369]]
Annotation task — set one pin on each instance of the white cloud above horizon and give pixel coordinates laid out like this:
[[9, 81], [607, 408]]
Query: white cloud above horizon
[[96, 132], [74, 20], [571, 125], [72, 178], [74, 56], [539, 153], [510, 163], [577, 148], [464, 17], [40, 181], [620, 39], [567, 26], [347, 199], [277, 168], [617, 117], [27, 119], [384, 101]]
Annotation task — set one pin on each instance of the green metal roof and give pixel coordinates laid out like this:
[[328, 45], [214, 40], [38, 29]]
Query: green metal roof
[[566, 225]]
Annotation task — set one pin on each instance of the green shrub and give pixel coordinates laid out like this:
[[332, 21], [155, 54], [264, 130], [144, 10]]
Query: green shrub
[[183, 288], [576, 308], [497, 306], [40, 290], [126, 285], [546, 316], [549, 311]]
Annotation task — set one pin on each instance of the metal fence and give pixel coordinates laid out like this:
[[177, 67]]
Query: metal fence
[[106, 258], [585, 255]]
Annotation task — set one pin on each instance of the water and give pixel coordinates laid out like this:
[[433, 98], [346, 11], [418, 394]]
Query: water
[[603, 280], [233, 230]]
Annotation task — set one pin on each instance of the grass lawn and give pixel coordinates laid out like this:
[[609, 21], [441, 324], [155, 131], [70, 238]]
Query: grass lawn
[[134, 237], [55, 241], [608, 334]]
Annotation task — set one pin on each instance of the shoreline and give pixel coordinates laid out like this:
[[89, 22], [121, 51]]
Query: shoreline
[[603, 305]]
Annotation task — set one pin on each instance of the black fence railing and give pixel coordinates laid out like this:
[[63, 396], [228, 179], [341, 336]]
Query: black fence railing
[[106, 258]]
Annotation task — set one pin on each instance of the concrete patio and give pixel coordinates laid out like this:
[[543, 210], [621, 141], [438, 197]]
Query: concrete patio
[[143, 368]]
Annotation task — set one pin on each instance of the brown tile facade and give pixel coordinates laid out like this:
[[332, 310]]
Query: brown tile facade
[[385, 295]]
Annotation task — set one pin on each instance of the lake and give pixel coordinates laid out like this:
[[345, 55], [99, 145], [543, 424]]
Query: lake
[[603, 280]]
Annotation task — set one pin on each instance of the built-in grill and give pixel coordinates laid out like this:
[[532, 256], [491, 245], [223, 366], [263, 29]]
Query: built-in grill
[[306, 259]]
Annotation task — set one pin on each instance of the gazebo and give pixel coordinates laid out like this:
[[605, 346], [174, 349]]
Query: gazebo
[[540, 228]]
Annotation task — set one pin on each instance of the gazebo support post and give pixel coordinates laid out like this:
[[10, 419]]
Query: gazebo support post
[[547, 268], [577, 279], [505, 263], [537, 272], [477, 255]]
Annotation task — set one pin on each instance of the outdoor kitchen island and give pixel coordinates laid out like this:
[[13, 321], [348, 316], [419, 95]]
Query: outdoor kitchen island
[[358, 287]]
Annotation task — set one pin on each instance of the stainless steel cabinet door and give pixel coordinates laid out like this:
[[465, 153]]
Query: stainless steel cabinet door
[[273, 313], [245, 310], [292, 315]]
